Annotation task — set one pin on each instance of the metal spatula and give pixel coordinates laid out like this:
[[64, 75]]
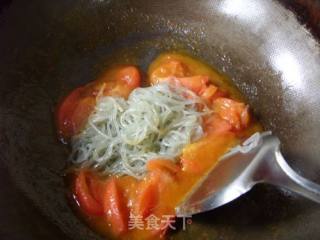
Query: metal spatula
[[257, 160]]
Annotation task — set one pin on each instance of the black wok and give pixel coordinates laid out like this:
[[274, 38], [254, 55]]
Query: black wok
[[48, 48]]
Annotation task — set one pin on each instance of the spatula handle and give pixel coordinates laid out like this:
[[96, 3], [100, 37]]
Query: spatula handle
[[275, 170]]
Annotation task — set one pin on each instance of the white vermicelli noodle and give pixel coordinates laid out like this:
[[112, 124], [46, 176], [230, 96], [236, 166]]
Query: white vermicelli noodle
[[121, 136]]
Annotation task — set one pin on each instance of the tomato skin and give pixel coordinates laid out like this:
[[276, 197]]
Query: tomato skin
[[115, 208], [84, 196]]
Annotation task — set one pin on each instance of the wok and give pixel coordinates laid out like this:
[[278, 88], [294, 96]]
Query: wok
[[48, 48]]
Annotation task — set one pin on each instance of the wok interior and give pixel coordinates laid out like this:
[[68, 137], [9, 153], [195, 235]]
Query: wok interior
[[50, 47]]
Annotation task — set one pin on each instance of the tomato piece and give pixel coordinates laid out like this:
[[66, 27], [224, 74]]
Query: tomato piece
[[147, 198], [120, 90], [126, 79], [96, 186], [245, 117], [81, 113], [219, 94], [192, 154], [158, 164], [124, 75], [206, 151], [163, 172], [87, 202], [197, 84], [216, 125], [170, 68], [191, 165], [130, 75], [236, 113], [209, 92], [115, 208], [129, 186], [64, 113]]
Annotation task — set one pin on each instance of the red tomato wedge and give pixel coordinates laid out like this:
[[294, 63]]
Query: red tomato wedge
[[215, 124], [81, 113], [84, 194], [96, 186], [236, 113], [64, 113], [125, 79], [161, 173], [219, 94], [197, 84], [114, 206], [73, 113], [130, 75], [147, 198], [209, 93], [170, 68]]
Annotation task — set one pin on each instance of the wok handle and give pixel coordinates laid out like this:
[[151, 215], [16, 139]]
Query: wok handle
[[275, 170]]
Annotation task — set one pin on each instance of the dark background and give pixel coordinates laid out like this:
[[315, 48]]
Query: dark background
[[307, 11]]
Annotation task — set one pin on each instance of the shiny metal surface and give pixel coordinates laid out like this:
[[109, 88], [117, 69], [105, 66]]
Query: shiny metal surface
[[258, 160], [47, 48]]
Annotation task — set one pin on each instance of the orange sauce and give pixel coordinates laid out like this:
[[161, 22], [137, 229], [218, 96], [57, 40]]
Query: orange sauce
[[165, 186]]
